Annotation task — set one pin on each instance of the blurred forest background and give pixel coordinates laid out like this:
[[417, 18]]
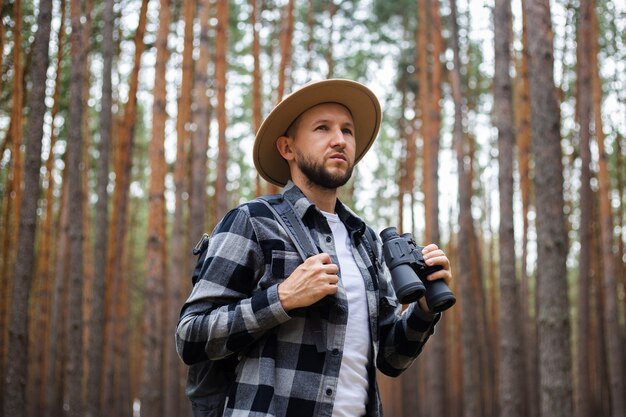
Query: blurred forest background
[[125, 133]]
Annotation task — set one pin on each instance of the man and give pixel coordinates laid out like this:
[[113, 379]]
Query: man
[[309, 335]]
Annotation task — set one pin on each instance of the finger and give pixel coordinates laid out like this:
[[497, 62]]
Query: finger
[[438, 260], [433, 254], [331, 289], [441, 274], [321, 257], [331, 269], [429, 248], [333, 280]]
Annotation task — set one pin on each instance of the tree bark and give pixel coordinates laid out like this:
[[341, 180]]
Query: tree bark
[[583, 113], [180, 233], [153, 369], [45, 265], [2, 38], [330, 62], [14, 382], [552, 302], [58, 316], [116, 320], [97, 339], [524, 140], [257, 104], [85, 162], [430, 45], [286, 37], [512, 398], [202, 119], [13, 190], [472, 403], [180, 243], [221, 66], [74, 368], [310, 41], [612, 329]]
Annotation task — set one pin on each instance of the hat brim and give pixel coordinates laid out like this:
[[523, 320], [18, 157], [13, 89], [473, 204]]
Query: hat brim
[[358, 99]]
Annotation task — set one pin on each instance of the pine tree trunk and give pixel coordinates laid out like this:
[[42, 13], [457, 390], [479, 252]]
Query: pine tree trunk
[[424, 88], [612, 329], [257, 104], [330, 62], [152, 382], [524, 140], [116, 320], [59, 303], [182, 169], [601, 403], [13, 190], [180, 244], [286, 35], [472, 404], [310, 41], [432, 111], [14, 381], [45, 257], [74, 366], [221, 42], [512, 398], [552, 302], [583, 112], [483, 336], [96, 342], [621, 189], [201, 116], [407, 164], [430, 20], [20, 64], [202, 119], [87, 245], [2, 39]]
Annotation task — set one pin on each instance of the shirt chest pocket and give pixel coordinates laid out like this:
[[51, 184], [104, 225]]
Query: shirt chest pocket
[[284, 263]]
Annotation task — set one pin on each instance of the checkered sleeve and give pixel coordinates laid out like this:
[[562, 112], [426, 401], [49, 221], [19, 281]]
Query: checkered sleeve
[[225, 312]]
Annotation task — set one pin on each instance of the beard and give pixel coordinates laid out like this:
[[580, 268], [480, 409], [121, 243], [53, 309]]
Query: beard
[[320, 176]]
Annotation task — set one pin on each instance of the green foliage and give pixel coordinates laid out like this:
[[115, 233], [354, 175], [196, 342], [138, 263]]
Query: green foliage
[[385, 11]]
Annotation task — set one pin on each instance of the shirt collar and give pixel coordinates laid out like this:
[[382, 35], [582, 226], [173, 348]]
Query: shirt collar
[[302, 205]]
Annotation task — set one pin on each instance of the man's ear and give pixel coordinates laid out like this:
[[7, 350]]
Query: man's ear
[[285, 148]]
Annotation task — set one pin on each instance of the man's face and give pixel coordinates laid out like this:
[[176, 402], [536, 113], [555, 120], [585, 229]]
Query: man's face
[[323, 145]]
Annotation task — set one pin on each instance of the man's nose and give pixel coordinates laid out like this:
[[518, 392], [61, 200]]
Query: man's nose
[[338, 138]]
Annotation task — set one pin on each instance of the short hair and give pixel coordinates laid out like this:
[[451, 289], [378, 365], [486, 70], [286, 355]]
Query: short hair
[[291, 130]]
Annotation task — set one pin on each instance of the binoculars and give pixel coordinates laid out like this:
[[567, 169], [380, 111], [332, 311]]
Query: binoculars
[[409, 271]]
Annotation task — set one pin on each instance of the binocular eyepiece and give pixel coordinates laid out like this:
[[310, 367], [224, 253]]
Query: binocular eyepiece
[[409, 271]]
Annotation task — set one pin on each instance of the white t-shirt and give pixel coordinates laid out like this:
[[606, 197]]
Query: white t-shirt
[[351, 397]]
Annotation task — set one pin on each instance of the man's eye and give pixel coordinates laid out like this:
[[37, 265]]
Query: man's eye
[[321, 127], [347, 131]]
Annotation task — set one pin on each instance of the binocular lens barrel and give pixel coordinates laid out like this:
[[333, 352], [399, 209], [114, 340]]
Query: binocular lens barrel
[[438, 296], [408, 287]]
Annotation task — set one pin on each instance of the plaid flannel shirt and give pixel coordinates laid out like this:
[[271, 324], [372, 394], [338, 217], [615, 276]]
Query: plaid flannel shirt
[[234, 309]]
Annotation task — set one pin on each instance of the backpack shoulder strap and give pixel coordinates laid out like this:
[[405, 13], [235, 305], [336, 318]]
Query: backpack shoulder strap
[[300, 235], [285, 214], [370, 244], [370, 248]]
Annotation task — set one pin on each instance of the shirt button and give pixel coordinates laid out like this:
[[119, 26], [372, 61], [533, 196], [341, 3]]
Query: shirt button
[[335, 352], [329, 392], [329, 239]]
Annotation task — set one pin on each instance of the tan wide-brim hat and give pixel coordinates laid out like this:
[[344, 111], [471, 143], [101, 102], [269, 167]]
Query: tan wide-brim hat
[[360, 101]]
